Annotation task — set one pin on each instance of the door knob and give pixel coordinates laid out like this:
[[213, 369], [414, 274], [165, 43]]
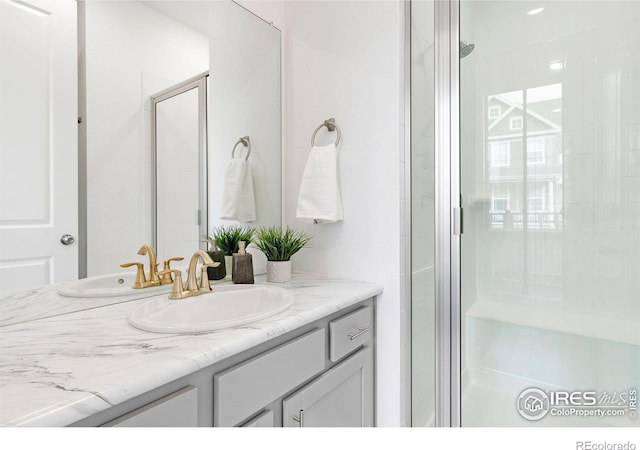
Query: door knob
[[67, 239]]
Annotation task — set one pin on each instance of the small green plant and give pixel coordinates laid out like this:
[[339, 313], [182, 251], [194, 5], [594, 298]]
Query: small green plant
[[280, 245], [227, 237]]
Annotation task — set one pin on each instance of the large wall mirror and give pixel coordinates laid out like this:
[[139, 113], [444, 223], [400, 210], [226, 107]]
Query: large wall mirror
[[137, 49]]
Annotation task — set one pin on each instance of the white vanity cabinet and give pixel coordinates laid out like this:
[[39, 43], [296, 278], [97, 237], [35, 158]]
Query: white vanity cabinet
[[336, 388], [321, 374], [343, 395]]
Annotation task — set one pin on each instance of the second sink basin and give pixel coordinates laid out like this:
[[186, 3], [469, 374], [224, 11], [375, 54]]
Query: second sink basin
[[224, 307], [114, 285]]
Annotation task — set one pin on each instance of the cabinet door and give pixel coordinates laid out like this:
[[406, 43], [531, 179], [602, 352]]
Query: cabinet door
[[341, 397]]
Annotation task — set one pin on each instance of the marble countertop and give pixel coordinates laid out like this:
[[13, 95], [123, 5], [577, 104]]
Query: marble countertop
[[57, 370]]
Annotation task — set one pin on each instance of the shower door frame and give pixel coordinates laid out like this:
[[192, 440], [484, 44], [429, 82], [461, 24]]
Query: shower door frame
[[448, 214], [198, 82]]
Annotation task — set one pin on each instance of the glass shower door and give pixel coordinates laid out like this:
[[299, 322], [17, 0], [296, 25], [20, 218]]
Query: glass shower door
[[179, 167], [550, 178]]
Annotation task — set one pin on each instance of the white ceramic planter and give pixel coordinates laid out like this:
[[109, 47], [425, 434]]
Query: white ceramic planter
[[278, 271]]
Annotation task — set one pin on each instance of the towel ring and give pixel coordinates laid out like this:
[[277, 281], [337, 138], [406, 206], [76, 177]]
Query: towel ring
[[331, 126], [244, 140]]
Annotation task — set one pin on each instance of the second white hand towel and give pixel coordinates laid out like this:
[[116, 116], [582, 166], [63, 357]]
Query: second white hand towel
[[238, 201], [319, 197]]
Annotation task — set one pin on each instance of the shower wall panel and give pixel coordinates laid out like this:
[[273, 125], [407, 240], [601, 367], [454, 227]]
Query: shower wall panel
[[550, 151]]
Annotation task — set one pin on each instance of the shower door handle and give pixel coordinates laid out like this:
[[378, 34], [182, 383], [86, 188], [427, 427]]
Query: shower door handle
[[457, 221]]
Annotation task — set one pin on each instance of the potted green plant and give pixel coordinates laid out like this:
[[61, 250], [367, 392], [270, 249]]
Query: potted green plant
[[227, 237], [279, 246]]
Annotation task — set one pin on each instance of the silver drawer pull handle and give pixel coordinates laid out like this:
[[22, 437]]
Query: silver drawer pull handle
[[300, 419], [359, 333]]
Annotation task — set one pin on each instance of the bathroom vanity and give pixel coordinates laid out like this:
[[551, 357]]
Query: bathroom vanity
[[310, 365]]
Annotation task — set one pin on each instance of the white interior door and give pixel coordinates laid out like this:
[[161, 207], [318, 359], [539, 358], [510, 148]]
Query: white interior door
[[38, 142]]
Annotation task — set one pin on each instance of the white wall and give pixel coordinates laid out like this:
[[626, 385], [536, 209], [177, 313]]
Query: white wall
[[344, 60], [132, 52]]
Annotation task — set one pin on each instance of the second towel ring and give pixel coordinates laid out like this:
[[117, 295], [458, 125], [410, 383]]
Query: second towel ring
[[244, 140], [331, 126]]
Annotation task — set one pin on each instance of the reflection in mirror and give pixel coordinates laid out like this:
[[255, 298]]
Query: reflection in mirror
[[245, 101], [179, 152], [158, 45], [126, 52], [38, 144]]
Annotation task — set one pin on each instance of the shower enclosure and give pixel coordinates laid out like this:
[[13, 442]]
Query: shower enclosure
[[525, 161]]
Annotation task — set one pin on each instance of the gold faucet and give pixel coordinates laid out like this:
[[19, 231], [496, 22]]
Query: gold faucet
[[192, 283], [154, 280], [154, 277]]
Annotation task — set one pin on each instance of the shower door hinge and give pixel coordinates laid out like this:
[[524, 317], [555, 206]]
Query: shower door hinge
[[457, 221]]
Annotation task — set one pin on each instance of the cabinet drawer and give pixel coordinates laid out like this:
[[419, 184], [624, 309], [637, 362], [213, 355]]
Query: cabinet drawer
[[243, 390], [179, 409], [349, 332], [264, 419]]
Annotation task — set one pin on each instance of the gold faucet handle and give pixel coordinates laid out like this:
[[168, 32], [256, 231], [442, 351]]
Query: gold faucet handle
[[204, 277], [177, 292], [140, 280], [167, 262], [165, 277]]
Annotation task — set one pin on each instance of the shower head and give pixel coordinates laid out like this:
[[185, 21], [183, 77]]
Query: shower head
[[465, 48]]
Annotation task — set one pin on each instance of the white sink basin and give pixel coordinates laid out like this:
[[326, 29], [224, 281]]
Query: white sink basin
[[114, 285], [225, 307]]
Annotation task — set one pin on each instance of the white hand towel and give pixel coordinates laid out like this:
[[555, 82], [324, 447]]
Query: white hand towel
[[319, 197], [238, 201]]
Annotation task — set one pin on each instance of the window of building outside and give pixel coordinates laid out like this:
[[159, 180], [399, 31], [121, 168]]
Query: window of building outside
[[499, 204], [533, 193], [535, 204], [494, 112], [515, 123], [499, 154], [535, 150]]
